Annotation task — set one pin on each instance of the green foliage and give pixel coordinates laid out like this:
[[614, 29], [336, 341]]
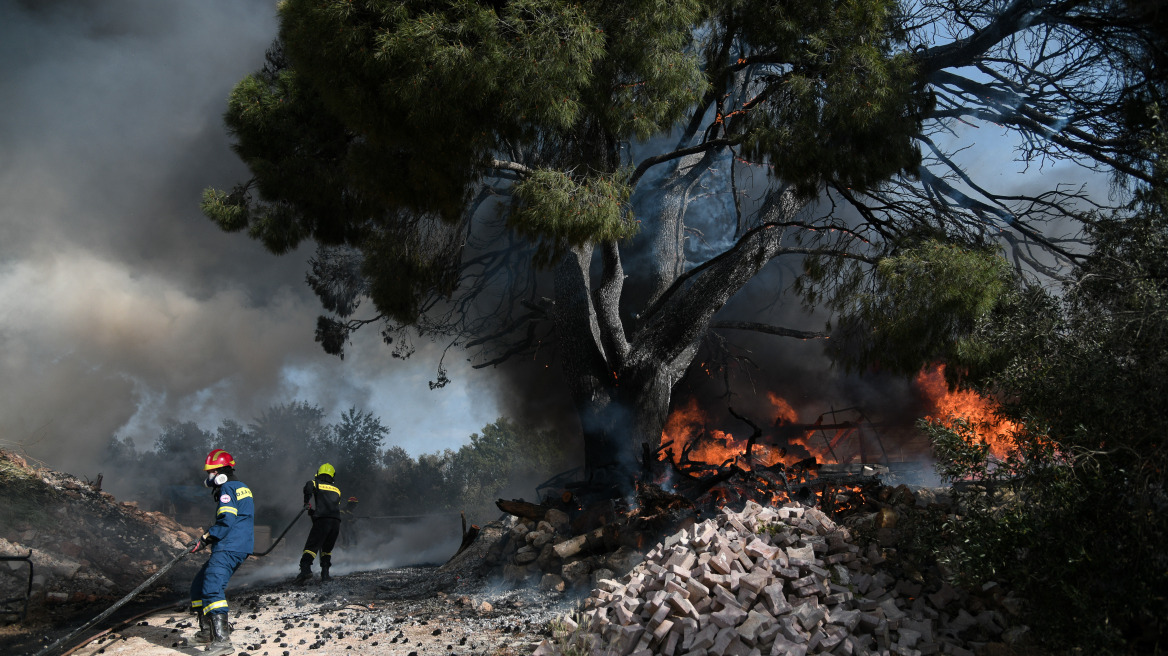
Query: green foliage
[[281, 436], [923, 304], [850, 106], [299, 157], [993, 527], [563, 213], [376, 119], [505, 460], [283, 447], [354, 447], [404, 264], [1081, 532], [433, 88], [576, 641], [183, 441]]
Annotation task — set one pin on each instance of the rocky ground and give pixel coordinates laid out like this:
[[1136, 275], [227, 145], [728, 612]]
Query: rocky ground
[[455, 608], [89, 551], [508, 593], [388, 612]]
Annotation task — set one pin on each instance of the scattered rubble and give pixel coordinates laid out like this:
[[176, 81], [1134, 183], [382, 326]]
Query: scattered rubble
[[779, 581], [457, 608], [86, 547], [789, 580]]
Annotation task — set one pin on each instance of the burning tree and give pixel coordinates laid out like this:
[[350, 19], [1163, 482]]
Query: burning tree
[[604, 176]]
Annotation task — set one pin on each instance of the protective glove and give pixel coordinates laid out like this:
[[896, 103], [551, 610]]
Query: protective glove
[[203, 541]]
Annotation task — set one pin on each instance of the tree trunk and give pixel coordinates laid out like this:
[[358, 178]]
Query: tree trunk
[[622, 384]]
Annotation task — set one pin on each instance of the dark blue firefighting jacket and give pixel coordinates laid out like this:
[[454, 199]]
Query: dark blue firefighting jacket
[[234, 528]]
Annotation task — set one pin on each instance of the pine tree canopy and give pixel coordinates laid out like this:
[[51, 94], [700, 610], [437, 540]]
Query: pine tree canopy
[[600, 179], [374, 118]]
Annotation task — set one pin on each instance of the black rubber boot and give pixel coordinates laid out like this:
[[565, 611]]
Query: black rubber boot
[[324, 575], [220, 636], [305, 569], [203, 636]]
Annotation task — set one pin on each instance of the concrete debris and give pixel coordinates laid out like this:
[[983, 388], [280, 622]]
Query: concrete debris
[[778, 581]]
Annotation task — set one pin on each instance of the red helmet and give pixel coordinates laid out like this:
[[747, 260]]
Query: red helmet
[[218, 458]]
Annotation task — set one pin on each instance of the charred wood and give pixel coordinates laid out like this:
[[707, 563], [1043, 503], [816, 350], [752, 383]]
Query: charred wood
[[524, 509], [469, 535]]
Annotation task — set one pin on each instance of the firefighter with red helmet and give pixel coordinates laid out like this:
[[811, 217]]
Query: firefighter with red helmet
[[348, 528], [231, 539], [322, 499]]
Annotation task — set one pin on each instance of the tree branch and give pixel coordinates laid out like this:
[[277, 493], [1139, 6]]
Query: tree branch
[[511, 166], [649, 162], [767, 329]]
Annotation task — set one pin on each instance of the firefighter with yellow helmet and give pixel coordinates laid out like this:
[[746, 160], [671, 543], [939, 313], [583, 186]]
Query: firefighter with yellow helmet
[[322, 499], [232, 539]]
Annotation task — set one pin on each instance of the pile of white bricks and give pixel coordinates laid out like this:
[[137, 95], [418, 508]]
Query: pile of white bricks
[[768, 581]]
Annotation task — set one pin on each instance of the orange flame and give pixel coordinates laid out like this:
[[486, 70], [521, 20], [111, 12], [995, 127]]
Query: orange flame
[[979, 411], [687, 431], [783, 410]]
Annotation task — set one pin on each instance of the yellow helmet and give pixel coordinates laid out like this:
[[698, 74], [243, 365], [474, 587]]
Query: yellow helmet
[[326, 469]]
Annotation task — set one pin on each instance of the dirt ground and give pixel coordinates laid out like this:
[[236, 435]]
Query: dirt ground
[[455, 608], [366, 612]]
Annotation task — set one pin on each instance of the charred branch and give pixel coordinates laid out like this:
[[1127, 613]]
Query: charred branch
[[524, 509], [768, 329]]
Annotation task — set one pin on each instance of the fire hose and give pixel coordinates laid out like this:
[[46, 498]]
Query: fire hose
[[121, 602], [281, 537], [435, 514], [145, 584]]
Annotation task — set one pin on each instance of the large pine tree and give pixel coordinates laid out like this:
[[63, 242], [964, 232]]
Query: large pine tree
[[559, 153]]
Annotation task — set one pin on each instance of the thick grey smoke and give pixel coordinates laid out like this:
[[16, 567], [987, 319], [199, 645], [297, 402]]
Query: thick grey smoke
[[121, 306]]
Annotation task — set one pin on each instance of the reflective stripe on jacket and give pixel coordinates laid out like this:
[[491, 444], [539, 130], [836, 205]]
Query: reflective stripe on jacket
[[326, 497], [234, 527]]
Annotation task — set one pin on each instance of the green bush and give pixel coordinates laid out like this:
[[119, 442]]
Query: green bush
[[1075, 518]]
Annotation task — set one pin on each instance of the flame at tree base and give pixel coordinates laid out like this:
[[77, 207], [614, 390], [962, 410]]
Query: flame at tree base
[[693, 446]]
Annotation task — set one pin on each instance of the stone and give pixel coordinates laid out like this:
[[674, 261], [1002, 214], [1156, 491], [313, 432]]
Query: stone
[[519, 531], [784, 647], [571, 546], [754, 623], [576, 573], [541, 538], [801, 553], [514, 574], [548, 561], [728, 617], [808, 616], [551, 583], [623, 560], [557, 519], [600, 574]]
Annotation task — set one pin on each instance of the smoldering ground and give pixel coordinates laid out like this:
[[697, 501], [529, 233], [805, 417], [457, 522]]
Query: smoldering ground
[[373, 542]]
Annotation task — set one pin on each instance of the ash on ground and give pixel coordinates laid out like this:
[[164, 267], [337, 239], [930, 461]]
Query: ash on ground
[[457, 608]]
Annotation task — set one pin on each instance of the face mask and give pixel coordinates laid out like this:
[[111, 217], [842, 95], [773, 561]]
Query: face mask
[[215, 480]]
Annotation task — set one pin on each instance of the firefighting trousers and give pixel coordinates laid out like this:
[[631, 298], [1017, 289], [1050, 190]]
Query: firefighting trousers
[[208, 590], [320, 542]]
